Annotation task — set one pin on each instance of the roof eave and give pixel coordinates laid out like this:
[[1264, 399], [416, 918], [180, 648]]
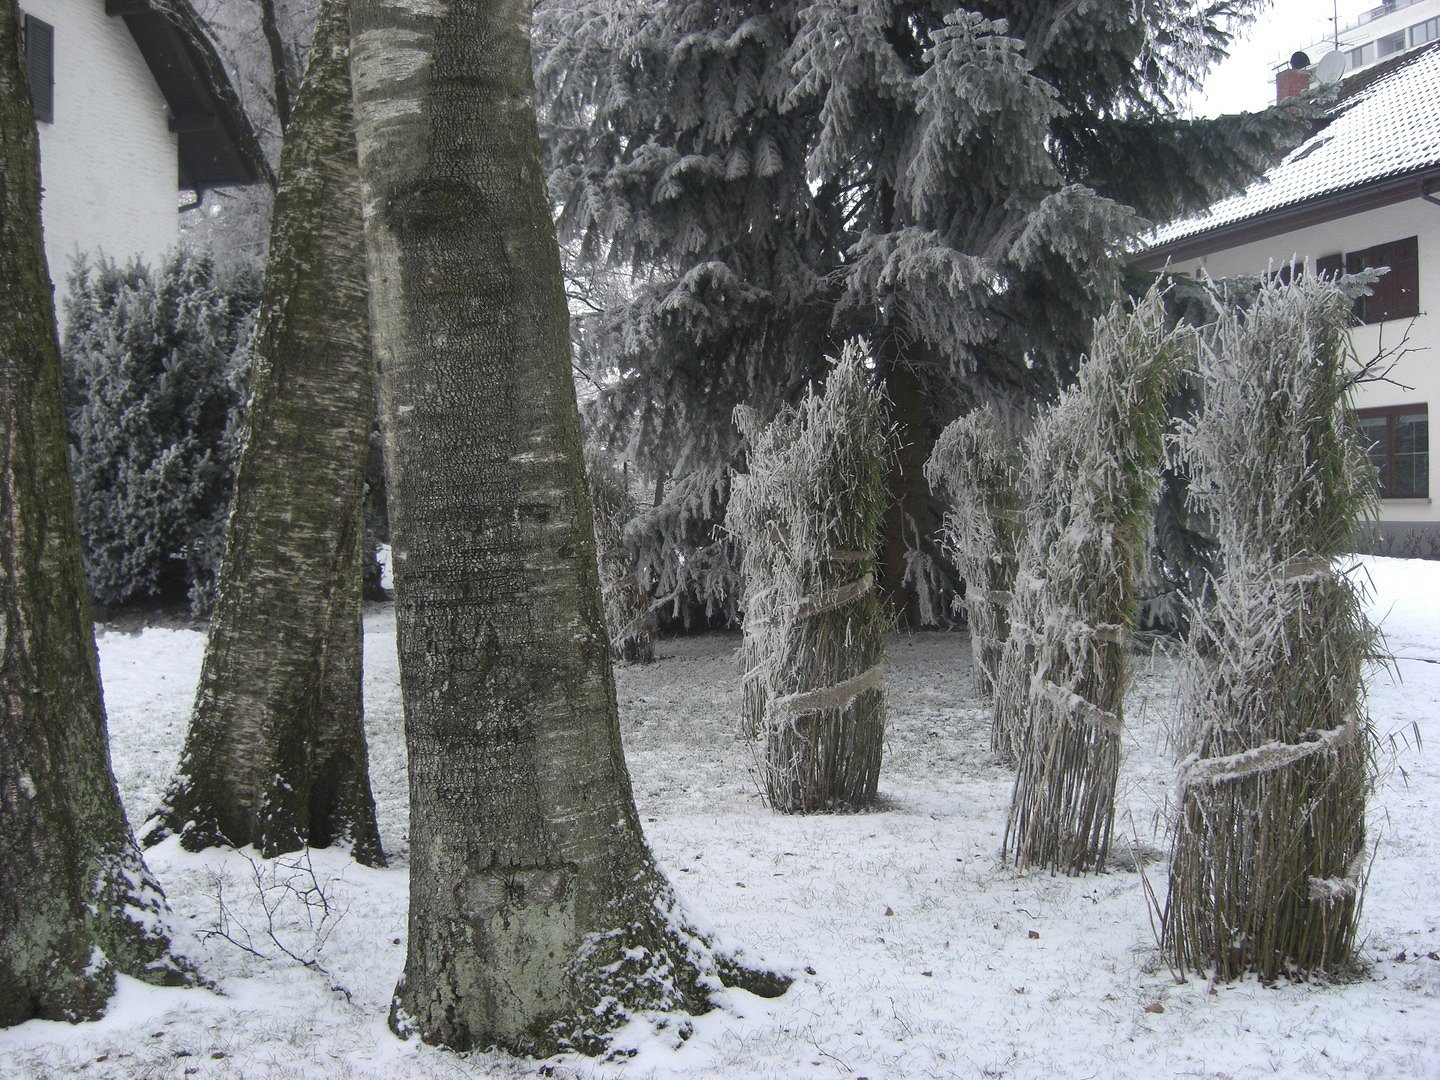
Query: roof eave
[[1314, 211], [217, 145]]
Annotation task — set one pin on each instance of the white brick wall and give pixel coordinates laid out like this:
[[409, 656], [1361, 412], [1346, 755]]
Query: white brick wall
[[108, 162]]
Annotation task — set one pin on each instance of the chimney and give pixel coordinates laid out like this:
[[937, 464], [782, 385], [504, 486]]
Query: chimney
[[1291, 83], [1293, 80]]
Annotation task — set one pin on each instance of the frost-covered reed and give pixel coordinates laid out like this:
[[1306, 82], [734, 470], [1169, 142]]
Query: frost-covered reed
[[976, 466], [1093, 464], [808, 516], [1268, 859], [629, 622]]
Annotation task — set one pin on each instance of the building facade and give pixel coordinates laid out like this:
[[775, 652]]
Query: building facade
[[131, 104], [1362, 192]]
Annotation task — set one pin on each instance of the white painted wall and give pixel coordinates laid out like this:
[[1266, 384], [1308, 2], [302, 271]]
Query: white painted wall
[[108, 162], [1420, 366]]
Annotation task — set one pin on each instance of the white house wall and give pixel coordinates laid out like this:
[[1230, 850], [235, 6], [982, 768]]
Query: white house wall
[[1419, 367], [108, 162]]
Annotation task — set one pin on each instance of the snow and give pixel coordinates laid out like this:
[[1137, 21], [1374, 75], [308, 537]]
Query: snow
[[930, 957]]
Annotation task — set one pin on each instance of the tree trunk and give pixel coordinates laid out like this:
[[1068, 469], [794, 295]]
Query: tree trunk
[[907, 522], [537, 916], [276, 755], [77, 902]]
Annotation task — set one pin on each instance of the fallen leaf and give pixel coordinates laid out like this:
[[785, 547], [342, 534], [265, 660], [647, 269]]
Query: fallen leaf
[[927, 974], [889, 910], [809, 970], [1034, 934], [1155, 1007], [739, 884]]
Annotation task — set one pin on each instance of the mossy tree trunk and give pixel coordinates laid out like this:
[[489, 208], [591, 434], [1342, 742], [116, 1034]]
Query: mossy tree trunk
[[907, 520], [275, 755], [77, 902], [537, 916]]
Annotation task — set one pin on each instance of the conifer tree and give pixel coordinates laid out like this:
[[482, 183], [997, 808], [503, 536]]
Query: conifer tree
[[955, 181]]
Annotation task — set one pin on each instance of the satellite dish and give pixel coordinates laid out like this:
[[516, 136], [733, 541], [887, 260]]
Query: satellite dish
[[1299, 61], [1330, 68]]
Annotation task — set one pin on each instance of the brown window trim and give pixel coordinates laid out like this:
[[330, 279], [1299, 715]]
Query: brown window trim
[[1389, 413]]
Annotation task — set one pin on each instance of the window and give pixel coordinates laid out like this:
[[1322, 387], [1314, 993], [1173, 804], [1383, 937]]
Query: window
[[1357, 57], [38, 44], [1428, 30], [1397, 440], [1390, 44], [1397, 294]]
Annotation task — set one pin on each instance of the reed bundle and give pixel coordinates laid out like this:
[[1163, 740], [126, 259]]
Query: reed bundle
[[1091, 478], [1266, 869], [629, 622], [808, 516], [976, 466]]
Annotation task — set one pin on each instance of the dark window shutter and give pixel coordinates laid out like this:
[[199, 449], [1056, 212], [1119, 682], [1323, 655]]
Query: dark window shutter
[[1397, 294], [40, 62], [1330, 266]]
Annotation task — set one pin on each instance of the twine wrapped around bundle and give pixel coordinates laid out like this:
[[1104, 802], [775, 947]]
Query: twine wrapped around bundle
[[1090, 482], [808, 516], [1266, 871], [976, 465]]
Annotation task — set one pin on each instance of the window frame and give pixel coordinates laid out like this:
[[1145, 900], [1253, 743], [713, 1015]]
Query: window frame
[[1391, 414]]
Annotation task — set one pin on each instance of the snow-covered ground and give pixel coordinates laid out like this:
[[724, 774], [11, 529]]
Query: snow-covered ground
[[930, 957]]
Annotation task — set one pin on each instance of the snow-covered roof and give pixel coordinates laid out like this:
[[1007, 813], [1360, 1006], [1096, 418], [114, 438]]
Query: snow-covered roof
[[1386, 124]]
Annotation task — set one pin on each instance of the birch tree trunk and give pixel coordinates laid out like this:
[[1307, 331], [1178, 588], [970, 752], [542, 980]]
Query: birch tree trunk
[[275, 755], [537, 916], [77, 902]]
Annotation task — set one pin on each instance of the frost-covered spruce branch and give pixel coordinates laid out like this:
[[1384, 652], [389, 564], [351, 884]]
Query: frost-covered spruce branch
[[1267, 865], [1091, 479], [976, 463], [808, 516], [628, 618]]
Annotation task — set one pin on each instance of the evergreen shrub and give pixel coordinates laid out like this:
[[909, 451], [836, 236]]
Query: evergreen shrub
[[155, 363]]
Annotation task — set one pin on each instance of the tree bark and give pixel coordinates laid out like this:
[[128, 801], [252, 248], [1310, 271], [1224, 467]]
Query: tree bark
[[77, 902], [275, 755], [537, 916], [907, 522]]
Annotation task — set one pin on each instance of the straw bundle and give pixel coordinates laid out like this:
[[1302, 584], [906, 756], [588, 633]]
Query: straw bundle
[[629, 621], [1092, 476], [808, 517], [976, 464], [1266, 870]]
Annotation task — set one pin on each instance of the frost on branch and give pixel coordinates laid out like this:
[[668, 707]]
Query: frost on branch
[[1266, 868], [976, 463], [1090, 484], [808, 517], [628, 619]]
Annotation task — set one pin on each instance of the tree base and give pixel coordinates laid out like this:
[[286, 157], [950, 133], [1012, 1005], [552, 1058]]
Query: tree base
[[655, 965]]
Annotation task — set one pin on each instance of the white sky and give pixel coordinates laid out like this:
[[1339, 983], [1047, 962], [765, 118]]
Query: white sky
[[1245, 82]]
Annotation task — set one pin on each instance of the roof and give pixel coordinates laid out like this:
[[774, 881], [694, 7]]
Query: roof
[[218, 146], [1381, 144]]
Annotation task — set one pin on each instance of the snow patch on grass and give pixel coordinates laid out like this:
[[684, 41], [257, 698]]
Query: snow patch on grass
[[927, 956]]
